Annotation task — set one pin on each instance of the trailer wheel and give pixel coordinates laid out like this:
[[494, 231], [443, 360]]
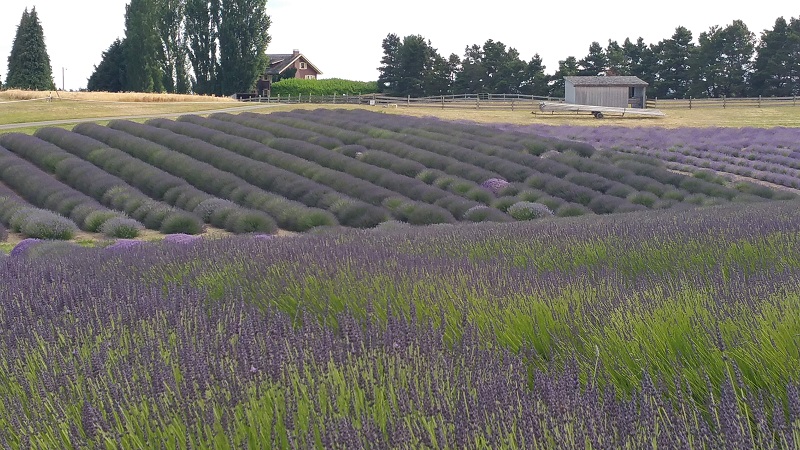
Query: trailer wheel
[[597, 114]]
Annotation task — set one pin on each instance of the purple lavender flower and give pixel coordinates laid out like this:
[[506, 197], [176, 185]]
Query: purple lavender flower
[[124, 244], [494, 185], [181, 238], [22, 248]]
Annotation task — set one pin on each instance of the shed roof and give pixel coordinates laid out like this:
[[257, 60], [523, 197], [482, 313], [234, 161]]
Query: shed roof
[[606, 81]]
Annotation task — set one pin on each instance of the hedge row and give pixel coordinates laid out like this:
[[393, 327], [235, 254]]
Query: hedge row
[[289, 215], [33, 222], [327, 86], [43, 191], [309, 190], [108, 189], [157, 184]]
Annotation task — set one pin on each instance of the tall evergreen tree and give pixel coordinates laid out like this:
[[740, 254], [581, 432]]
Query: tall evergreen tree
[[616, 62], [389, 71], [566, 67], [776, 69], [143, 53], [243, 40], [29, 64], [412, 66], [535, 81], [110, 75], [201, 29], [595, 63], [493, 68], [672, 78], [640, 59], [722, 61]]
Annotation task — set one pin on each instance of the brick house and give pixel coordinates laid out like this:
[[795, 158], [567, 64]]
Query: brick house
[[281, 66]]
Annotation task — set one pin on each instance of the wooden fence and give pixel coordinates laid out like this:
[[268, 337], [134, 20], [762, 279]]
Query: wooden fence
[[510, 101], [722, 102], [472, 101]]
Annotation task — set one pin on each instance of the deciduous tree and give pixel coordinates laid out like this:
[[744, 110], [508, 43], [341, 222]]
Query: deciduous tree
[[143, 49], [243, 40], [201, 28]]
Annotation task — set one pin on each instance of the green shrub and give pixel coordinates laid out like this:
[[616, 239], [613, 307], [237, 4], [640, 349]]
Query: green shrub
[[96, 219], [572, 210], [643, 198], [180, 222], [121, 227], [529, 211]]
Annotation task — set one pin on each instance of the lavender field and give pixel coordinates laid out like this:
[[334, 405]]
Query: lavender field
[[675, 329], [450, 286], [765, 154], [304, 170]]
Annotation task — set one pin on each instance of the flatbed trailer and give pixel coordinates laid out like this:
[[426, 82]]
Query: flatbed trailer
[[597, 111]]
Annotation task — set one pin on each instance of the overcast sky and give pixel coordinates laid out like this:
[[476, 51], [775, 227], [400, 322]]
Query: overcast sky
[[343, 37]]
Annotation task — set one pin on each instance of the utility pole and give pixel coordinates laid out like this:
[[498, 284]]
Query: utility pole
[[62, 77]]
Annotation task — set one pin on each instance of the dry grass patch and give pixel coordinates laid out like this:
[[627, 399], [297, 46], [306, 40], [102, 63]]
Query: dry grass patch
[[130, 97]]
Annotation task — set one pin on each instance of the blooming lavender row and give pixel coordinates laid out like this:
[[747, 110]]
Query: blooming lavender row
[[42, 190], [346, 174], [108, 189], [754, 152], [159, 184], [384, 183], [598, 173], [193, 175]]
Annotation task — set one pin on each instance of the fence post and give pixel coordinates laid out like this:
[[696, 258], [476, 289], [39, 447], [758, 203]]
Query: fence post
[[279, 98], [512, 104], [759, 101], [443, 102], [477, 101], [723, 102], [690, 102]]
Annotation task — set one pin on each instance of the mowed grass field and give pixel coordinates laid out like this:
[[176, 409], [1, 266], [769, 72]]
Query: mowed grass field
[[20, 107]]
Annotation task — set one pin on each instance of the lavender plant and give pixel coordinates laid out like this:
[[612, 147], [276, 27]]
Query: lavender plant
[[529, 211]]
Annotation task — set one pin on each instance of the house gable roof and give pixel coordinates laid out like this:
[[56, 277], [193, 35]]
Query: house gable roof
[[606, 81], [279, 62]]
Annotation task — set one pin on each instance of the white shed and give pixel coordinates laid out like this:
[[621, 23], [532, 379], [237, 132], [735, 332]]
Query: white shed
[[616, 91]]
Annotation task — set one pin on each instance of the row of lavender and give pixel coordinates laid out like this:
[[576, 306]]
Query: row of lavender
[[305, 169], [658, 328], [771, 155], [612, 184]]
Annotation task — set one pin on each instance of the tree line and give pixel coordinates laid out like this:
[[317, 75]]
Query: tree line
[[212, 47], [727, 61]]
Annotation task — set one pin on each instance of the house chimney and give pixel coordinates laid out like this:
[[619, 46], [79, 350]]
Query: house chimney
[[295, 52]]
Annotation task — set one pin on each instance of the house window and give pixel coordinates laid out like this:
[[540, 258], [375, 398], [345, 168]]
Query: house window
[[302, 65], [311, 77]]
